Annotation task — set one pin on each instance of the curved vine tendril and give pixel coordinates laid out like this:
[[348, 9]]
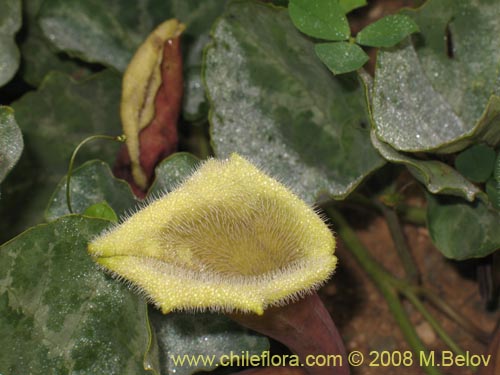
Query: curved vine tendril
[[120, 138]]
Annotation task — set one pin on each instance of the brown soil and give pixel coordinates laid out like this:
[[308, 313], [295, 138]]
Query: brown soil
[[363, 316]]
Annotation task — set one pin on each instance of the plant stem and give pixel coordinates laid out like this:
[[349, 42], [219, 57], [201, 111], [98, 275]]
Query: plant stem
[[383, 280], [412, 214], [405, 325], [435, 325], [440, 304], [392, 219], [413, 276], [120, 138]]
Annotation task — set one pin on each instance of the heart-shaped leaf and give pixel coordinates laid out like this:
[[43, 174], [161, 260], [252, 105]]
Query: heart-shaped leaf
[[10, 23], [59, 313], [54, 120], [476, 163], [199, 17], [440, 93], [171, 172], [462, 230], [11, 141], [273, 101], [91, 184], [496, 170], [493, 191], [203, 337], [110, 32], [38, 54], [96, 31]]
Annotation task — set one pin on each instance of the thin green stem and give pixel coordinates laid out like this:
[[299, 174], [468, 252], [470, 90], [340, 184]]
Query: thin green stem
[[392, 219], [389, 286], [120, 138], [385, 282], [412, 214], [434, 324], [374, 270], [411, 271], [445, 308], [406, 327]]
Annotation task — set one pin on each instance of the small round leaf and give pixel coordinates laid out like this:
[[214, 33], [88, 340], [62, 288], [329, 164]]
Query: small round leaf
[[493, 191], [476, 163], [462, 230], [349, 5], [323, 19], [496, 172], [101, 210], [387, 31], [341, 57]]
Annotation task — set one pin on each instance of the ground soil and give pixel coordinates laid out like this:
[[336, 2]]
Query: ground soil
[[363, 317]]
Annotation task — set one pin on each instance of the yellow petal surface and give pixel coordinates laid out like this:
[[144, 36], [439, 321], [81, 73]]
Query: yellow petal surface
[[230, 238]]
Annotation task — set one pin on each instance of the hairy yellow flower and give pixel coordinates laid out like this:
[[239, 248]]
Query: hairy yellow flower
[[229, 238]]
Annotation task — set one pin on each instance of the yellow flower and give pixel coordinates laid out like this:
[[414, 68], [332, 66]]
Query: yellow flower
[[230, 238]]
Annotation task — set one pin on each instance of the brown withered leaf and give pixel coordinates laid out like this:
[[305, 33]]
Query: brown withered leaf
[[151, 128]]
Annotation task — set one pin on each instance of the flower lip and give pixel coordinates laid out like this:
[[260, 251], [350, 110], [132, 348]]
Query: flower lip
[[229, 238]]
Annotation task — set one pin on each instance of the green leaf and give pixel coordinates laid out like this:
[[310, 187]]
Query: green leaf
[[10, 23], [11, 141], [341, 57], [387, 31], [96, 31], [493, 191], [54, 120], [171, 172], [348, 5], [109, 33], [198, 17], [476, 163], [324, 19], [194, 106], [496, 171], [39, 56], [441, 94], [438, 177], [59, 313], [91, 184], [101, 210], [203, 334], [273, 102], [462, 230]]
